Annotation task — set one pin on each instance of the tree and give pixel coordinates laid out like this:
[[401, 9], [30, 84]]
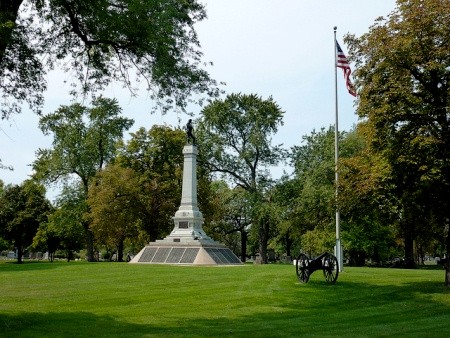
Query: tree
[[64, 229], [318, 240], [156, 155], [115, 206], [362, 200], [231, 215], [266, 214], [23, 208], [314, 178], [314, 167], [285, 194], [84, 141], [235, 140], [46, 240], [403, 79], [366, 201], [99, 42]]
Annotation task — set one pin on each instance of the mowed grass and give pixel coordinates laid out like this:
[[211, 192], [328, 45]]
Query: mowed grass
[[123, 300]]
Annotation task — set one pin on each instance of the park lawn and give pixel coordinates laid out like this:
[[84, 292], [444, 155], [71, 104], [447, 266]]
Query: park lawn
[[79, 299]]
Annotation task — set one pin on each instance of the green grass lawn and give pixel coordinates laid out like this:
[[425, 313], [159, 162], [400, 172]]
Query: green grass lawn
[[126, 300]]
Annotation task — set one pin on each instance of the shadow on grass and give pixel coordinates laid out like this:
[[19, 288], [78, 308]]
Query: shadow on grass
[[418, 308], [317, 308], [70, 324], [10, 266], [431, 267]]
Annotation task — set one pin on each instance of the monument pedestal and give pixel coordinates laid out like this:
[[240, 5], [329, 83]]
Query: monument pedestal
[[187, 243]]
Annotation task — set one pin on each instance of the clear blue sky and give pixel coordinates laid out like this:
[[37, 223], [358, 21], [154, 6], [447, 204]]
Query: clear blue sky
[[282, 49]]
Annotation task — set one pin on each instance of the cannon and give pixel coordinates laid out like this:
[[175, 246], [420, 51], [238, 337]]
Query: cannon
[[304, 267]]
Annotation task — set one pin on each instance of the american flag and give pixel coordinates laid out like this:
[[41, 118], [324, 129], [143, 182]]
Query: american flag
[[342, 62]]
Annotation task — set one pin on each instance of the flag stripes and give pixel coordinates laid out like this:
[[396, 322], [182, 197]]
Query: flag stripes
[[342, 62]]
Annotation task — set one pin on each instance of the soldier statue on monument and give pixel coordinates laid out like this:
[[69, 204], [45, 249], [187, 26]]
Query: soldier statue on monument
[[190, 138]]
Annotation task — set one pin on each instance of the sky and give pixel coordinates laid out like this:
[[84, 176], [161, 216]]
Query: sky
[[278, 48]]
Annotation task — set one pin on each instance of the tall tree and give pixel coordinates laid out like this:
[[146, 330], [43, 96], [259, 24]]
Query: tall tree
[[156, 155], [116, 206], [313, 163], [403, 79], [101, 41], [84, 140], [235, 140], [285, 194], [366, 200], [64, 229], [314, 207], [22, 208]]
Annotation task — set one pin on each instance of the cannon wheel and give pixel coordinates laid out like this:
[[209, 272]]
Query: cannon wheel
[[330, 268], [301, 267]]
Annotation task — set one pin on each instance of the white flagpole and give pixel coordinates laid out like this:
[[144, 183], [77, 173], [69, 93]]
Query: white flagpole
[[337, 248]]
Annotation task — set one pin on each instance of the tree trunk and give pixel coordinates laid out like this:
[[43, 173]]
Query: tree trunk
[[263, 237], [19, 244], [89, 243], [356, 257], [120, 251], [19, 255], [244, 236], [409, 249], [69, 254], [447, 262], [447, 273], [420, 255], [288, 242]]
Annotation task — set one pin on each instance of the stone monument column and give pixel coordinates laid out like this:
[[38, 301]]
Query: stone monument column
[[189, 190], [188, 219]]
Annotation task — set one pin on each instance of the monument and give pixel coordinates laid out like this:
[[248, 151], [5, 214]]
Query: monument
[[187, 244]]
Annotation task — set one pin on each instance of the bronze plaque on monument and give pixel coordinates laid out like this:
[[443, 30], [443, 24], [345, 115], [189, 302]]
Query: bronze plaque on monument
[[183, 225]]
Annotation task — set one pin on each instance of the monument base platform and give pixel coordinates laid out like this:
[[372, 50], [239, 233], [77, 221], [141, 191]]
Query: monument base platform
[[193, 252]]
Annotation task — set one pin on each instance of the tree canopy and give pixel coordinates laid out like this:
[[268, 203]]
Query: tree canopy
[[403, 80], [99, 42], [64, 229], [22, 208], [115, 206], [235, 140], [237, 133], [156, 157], [84, 142]]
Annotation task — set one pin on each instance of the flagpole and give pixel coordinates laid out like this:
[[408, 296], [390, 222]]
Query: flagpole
[[338, 248]]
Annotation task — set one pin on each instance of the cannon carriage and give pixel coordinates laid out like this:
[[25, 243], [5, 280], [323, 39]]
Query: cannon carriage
[[326, 262]]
